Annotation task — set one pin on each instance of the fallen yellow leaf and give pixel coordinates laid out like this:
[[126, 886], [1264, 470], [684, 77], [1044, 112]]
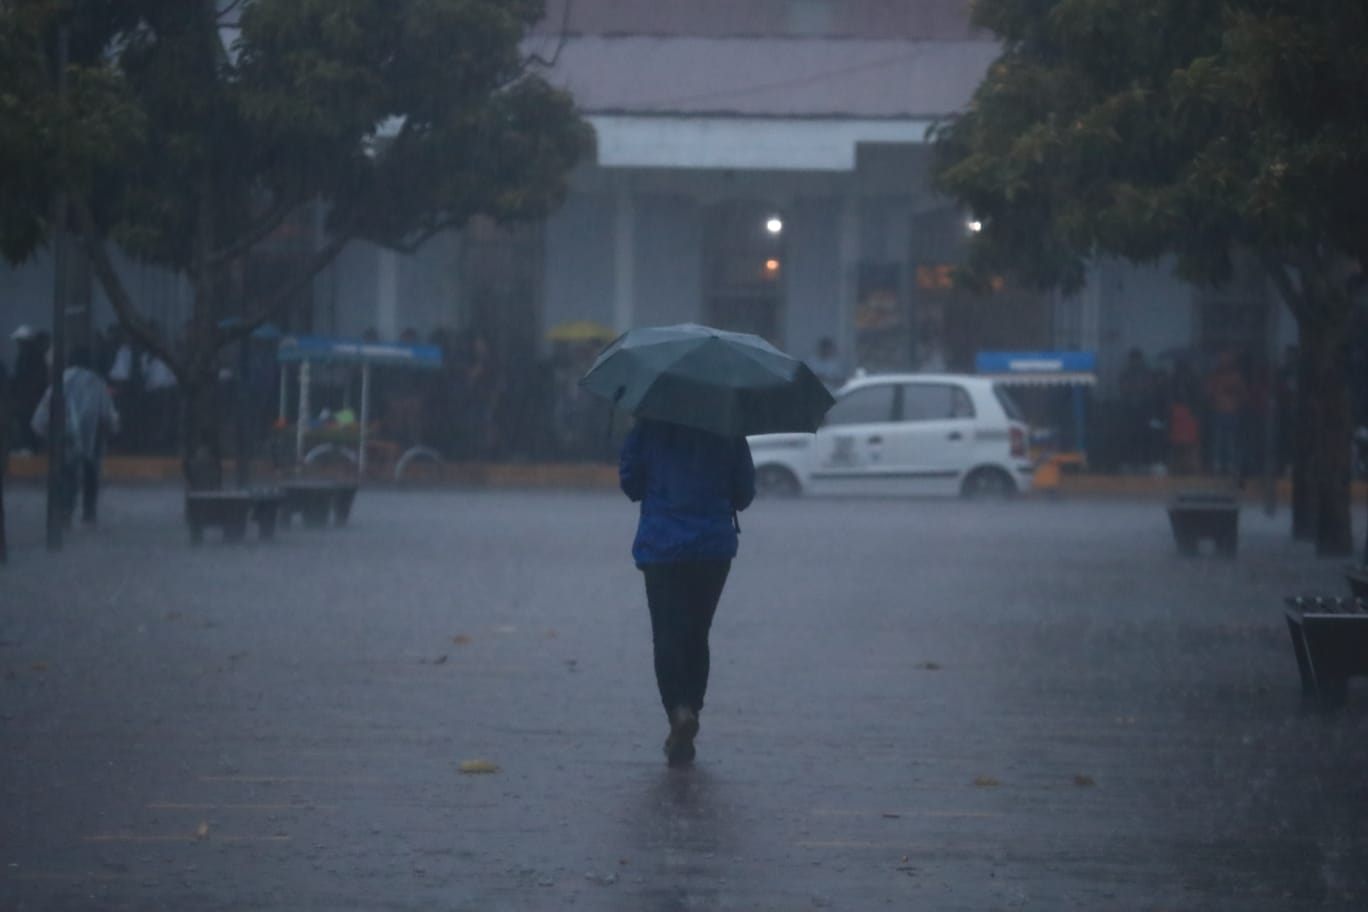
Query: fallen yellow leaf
[[202, 831], [471, 767], [460, 639], [1083, 780], [985, 781]]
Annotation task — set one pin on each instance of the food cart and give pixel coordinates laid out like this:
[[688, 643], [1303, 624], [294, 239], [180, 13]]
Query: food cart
[[310, 351], [1053, 389]]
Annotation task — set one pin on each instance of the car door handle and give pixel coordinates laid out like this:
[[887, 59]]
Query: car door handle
[[954, 435], [875, 439]]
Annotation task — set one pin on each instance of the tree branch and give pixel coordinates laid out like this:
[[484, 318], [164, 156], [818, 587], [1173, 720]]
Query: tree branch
[[560, 41], [316, 264], [138, 327], [412, 245], [252, 236], [1277, 272]]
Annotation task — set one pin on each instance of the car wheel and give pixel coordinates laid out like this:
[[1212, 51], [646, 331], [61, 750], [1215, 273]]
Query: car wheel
[[776, 481], [988, 484]]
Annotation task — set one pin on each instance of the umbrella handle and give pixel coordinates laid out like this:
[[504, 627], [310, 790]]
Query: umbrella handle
[[617, 397], [736, 522]]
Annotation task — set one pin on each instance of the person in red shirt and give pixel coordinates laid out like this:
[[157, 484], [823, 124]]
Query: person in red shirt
[[1226, 392]]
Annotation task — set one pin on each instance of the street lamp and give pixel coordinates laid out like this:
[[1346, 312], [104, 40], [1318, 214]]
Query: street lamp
[[774, 224]]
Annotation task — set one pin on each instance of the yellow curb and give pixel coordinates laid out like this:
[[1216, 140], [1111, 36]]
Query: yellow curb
[[604, 476]]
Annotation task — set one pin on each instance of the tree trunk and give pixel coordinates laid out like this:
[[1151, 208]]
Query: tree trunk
[[1333, 442], [1303, 446], [202, 452]]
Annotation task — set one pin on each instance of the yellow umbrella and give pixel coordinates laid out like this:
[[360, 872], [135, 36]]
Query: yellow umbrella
[[582, 331]]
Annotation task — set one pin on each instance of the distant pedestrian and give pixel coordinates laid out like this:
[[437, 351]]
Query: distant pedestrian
[[690, 484], [27, 382], [90, 418], [827, 365], [1226, 392], [1285, 409], [1184, 427], [1139, 405], [161, 399]]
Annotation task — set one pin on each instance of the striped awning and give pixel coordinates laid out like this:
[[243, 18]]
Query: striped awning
[[1038, 368], [1053, 378]]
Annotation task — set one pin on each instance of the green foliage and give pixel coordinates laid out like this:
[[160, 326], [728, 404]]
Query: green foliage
[[403, 116], [41, 136], [1163, 127]]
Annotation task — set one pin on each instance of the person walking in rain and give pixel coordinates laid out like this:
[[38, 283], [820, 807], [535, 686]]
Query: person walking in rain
[[90, 416], [690, 484]]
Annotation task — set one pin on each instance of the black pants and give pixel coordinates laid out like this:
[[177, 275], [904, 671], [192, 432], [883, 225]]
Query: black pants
[[683, 598], [83, 476]]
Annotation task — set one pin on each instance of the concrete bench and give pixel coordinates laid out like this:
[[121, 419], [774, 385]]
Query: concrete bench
[[315, 501], [1330, 639], [1195, 518], [231, 511]]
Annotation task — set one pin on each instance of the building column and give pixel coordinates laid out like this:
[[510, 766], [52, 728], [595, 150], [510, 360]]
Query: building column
[[848, 264], [387, 294], [624, 257]]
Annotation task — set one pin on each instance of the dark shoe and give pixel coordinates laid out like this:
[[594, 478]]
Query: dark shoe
[[679, 746]]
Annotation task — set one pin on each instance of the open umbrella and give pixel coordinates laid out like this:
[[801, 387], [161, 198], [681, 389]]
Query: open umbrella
[[728, 383]]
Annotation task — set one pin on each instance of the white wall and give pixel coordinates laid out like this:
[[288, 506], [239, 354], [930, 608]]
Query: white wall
[[669, 260], [578, 281]]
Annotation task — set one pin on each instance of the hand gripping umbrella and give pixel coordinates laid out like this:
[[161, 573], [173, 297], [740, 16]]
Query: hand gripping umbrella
[[733, 384]]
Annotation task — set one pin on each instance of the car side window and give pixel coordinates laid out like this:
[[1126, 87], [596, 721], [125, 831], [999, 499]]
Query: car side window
[[866, 405], [963, 406], [935, 402]]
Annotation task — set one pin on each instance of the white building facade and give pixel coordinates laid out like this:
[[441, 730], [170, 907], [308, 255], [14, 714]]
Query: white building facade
[[760, 165]]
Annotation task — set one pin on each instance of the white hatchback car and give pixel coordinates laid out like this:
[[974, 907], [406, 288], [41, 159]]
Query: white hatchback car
[[891, 434]]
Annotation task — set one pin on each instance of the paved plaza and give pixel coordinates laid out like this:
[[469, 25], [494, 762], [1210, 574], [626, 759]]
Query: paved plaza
[[914, 705]]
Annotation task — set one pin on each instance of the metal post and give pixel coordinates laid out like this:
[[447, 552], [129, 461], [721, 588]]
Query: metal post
[[244, 458], [56, 518], [1080, 419], [282, 413], [302, 422], [365, 420]]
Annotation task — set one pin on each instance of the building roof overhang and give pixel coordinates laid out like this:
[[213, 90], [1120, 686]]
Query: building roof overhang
[[803, 104], [745, 143]]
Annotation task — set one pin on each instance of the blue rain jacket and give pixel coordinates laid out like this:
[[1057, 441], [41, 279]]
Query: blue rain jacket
[[690, 484]]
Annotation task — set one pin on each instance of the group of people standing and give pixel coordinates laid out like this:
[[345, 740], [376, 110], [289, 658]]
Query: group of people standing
[[1184, 422]]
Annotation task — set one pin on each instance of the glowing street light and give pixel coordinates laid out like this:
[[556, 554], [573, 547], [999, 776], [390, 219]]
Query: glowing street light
[[774, 225], [975, 226], [771, 266]]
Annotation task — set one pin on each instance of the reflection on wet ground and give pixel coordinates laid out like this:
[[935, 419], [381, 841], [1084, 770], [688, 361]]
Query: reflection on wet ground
[[914, 705]]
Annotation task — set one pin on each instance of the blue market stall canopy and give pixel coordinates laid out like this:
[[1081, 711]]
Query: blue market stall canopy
[[1038, 368], [321, 350]]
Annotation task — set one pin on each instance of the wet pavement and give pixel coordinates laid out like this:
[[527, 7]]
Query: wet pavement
[[914, 705]]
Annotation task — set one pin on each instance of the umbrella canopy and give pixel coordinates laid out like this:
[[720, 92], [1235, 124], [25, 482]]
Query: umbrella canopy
[[728, 383]]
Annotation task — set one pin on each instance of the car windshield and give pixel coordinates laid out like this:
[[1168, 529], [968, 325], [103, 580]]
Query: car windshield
[[1009, 405]]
